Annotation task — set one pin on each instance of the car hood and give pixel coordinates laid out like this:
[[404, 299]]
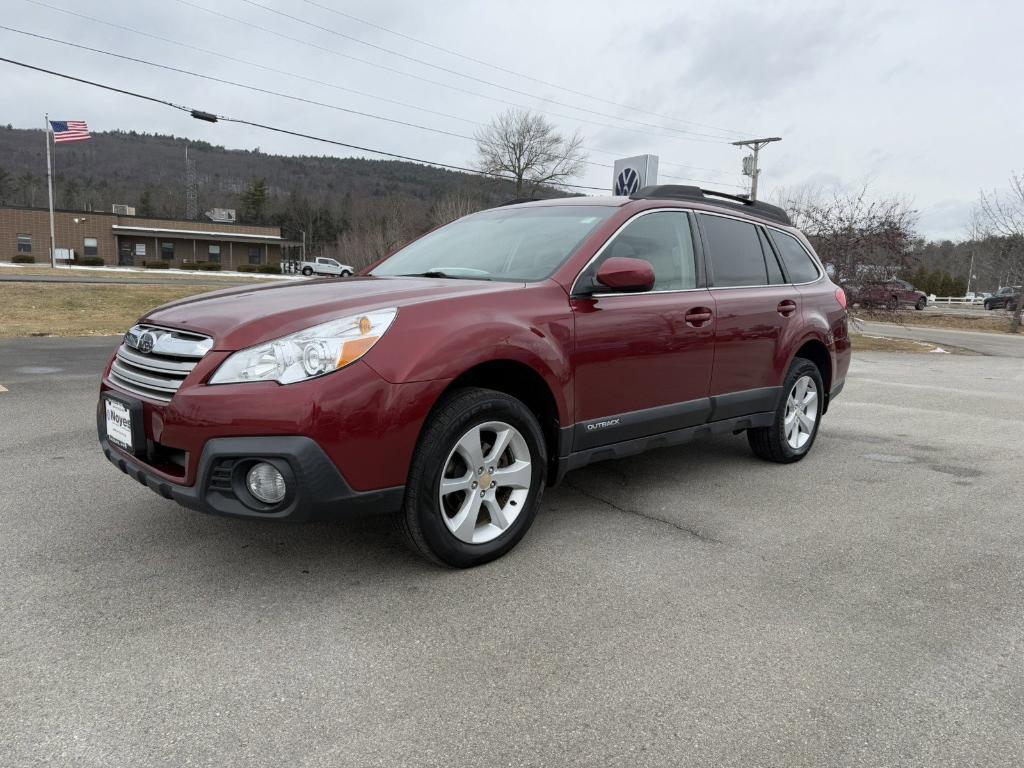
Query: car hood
[[240, 317]]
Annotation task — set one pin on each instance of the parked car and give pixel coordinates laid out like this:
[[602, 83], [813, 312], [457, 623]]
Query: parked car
[[1007, 297], [322, 265], [892, 294], [476, 366]]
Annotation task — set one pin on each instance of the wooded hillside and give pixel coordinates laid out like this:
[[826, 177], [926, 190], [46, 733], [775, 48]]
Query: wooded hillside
[[352, 208]]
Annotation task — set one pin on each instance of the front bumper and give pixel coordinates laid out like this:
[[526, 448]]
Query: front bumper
[[316, 488]]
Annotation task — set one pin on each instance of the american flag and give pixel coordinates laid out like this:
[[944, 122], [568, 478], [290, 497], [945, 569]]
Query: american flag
[[65, 131]]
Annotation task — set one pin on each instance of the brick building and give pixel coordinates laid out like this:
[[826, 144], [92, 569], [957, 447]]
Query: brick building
[[134, 240]]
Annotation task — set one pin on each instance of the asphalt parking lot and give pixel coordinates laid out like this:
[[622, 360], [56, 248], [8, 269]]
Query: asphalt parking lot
[[690, 607]]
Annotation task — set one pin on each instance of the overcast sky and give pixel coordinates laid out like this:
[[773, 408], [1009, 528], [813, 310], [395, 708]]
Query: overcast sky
[[922, 99]]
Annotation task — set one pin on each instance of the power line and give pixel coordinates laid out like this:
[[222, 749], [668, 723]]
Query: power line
[[500, 68], [683, 135], [448, 70], [263, 67], [278, 94], [211, 117], [246, 86]]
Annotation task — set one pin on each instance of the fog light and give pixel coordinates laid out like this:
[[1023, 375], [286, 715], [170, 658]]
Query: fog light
[[265, 483]]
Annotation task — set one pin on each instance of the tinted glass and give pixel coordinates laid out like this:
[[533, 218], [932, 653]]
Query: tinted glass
[[663, 239], [736, 257], [798, 262], [513, 244], [775, 276]]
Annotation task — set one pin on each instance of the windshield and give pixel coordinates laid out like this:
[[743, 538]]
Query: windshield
[[513, 244]]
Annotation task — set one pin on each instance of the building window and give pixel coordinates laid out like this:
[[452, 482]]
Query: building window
[[255, 254], [214, 254], [167, 251], [140, 249], [24, 243], [92, 248]]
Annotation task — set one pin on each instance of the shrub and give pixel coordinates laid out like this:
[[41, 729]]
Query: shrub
[[156, 264], [190, 265], [247, 268], [23, 258], [270, 269], [209, 266], [90, 261]]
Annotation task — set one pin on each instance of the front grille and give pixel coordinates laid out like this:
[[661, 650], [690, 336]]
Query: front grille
[[153, 361]]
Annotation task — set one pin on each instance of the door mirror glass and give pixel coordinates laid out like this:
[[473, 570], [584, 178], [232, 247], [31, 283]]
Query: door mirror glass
[[626, 275]]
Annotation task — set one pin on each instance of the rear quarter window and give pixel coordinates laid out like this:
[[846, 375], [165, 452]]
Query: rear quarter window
[[798, 261]]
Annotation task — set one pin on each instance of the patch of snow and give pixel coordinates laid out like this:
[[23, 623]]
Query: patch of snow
[[158, 272]]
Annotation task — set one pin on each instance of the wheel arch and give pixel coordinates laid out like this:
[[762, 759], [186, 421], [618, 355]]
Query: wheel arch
[[523, 382], [815, 350]]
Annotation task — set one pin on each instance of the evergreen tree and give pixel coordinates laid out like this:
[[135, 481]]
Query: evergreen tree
[[254, 201]]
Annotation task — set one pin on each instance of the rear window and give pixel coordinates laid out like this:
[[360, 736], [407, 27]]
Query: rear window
[[736, 257], [798, 261]]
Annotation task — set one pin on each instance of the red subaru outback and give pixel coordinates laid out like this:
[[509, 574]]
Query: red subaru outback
[[449, 384]]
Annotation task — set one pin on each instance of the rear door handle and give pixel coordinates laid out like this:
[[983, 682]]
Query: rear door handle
[[786, 307], [698, 316]]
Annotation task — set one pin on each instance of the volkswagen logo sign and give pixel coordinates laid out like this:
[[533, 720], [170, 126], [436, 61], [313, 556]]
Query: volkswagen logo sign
[[146, 342], [627, 182]]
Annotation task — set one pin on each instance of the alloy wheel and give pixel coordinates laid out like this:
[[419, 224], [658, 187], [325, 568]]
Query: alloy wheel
[[801, 412], [485, 482]]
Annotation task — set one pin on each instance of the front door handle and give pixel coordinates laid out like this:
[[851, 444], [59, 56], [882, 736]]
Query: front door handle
[[786, 307], [698, 316]]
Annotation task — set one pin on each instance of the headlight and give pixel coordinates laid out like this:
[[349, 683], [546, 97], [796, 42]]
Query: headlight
[[309, 353]]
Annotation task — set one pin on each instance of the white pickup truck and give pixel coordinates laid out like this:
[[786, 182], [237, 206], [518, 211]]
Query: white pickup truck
[[322, 265]]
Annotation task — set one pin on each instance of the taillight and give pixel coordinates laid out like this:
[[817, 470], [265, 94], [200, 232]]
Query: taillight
[[841, 297]]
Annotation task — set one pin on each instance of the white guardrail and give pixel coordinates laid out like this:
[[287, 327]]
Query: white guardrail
[[965, 301]]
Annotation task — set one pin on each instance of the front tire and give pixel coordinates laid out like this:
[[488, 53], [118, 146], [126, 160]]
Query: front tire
[[921, 303], [797, 417], [346, 273], [476, 479]]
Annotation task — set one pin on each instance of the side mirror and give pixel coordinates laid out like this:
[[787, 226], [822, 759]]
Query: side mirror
[[626, 275]]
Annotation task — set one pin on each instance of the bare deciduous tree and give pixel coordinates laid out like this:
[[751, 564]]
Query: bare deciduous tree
[[1002, 214], [851, 230], [452, 206], [526, 148]]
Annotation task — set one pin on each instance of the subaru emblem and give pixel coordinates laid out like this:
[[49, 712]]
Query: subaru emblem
[[146, 342]]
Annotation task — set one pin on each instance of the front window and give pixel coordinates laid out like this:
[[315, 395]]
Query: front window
[[255, 255], [91, 246], [24, 243], [140, 249], [214, 254], [167, 251], [510, 244]]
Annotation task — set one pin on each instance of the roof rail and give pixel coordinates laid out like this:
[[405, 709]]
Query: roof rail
[[696, 194]]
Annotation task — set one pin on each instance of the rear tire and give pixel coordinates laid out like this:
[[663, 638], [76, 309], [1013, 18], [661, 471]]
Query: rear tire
[[779, 442], [307, 271], [502, 494], [988, 305]]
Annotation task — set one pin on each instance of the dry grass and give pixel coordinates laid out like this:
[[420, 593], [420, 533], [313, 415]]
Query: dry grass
[[28, 309], [993, 322], [28, 270], [869, 342]]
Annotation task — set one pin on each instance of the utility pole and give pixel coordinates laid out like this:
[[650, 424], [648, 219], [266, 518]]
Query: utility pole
[[753, 170]]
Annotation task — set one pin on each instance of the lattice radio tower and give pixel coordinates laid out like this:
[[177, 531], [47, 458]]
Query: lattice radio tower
[[191, 188]]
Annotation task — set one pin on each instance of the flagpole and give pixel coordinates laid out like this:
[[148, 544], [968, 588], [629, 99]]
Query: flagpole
[[49, 188]]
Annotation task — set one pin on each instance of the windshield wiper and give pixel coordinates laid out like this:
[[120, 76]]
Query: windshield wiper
[[442, 273]]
